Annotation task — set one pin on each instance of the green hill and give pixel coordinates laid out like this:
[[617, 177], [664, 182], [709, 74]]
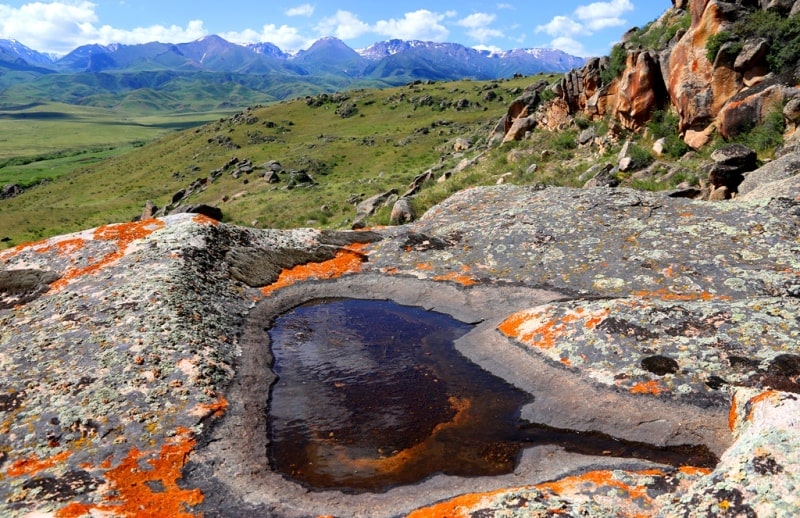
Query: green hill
[[354, 145]]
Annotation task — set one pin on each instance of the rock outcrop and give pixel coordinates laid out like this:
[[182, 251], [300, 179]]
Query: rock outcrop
[[730, 93], [136, 363]]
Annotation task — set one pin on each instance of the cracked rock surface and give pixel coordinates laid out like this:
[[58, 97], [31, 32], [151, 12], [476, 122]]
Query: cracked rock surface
[[135, 374]]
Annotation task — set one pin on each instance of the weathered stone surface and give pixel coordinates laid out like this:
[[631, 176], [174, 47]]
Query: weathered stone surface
[[402, 212], [697, 87], [751, 107], [10, 190], [782, 168], [641, 90], [136, 383]]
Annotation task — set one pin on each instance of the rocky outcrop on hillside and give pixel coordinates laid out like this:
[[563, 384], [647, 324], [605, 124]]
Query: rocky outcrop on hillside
[[137, 367], [728, 94]]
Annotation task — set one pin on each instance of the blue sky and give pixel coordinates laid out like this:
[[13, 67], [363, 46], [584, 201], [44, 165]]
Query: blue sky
[[579, 27]]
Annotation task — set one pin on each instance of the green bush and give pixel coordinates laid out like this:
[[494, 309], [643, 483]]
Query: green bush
[[781, 32], [715, 42], [766, 136], [664, 124], [640, 157], [617, 62]]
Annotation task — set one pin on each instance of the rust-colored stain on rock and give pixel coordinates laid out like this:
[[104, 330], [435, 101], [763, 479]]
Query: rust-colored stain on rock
[[34, 464], [128, 490], [347, 260]]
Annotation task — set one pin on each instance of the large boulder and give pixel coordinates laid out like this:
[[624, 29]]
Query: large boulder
[[697, 87], [751, 107], [764, 180], [640, 90]]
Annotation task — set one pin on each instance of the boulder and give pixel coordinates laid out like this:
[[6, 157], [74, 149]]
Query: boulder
[[149, 211], [520, 128], [752, 107], [605, 177], [640, 90], [300, 178], [210, 211], [272, 177], [10, 190], [461, 144], [782, 168], [697, 87], [730, 164], [402, 212]]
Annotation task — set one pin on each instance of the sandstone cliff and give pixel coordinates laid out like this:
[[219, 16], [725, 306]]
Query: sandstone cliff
[[666, 65]]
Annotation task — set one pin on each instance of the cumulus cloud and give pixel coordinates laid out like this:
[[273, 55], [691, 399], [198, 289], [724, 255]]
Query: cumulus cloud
[[300, 10], [478, 26], [417, 25], [59, 27], [344, 25], [285, 37], [561, 26], [585, 20]]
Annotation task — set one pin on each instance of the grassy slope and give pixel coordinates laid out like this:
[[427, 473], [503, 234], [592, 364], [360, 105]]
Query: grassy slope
[[46, 140], [390, 140]]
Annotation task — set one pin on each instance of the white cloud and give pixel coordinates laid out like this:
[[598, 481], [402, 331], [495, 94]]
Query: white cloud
[[417, 25], [477, 25], [561, 26], [568, 45], [603, 15], [285, 37], [344, 25], [585, 21], [59, 27], [300, 10], [488, 48], [505, 6], [612, 9]]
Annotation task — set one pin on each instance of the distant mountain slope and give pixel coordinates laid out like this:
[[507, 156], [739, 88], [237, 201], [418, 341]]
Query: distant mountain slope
[[262, 70]]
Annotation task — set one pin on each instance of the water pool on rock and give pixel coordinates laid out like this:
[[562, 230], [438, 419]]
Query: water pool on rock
[[372, 394]]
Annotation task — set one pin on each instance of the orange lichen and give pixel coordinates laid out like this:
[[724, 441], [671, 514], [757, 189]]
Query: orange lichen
[[34, 464], [770, 395], [215, 409], [463, 506], [464, 280], [424, 266], [459, 507], [130, 494], [694, 471], [647, 387], [665, 294], [732, 415], [599, 479], [123, 234], [542, 330], [205, 220], [347, 260]]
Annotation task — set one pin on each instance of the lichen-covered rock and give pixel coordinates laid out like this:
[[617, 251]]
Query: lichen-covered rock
[[123, 361], [640, 90]]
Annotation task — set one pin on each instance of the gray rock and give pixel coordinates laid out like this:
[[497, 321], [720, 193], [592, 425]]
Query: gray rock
[[781, 168], [402, 212]]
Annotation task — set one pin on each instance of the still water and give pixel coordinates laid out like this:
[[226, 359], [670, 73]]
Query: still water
[[372, 394]]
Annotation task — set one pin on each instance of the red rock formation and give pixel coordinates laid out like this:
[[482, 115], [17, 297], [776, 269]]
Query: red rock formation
[[697, 87], [640, 90]]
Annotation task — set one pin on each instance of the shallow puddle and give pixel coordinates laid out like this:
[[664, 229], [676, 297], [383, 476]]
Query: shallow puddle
[[372, 394]]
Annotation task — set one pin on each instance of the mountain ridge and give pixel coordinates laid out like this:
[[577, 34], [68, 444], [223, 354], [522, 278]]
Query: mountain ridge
[[399, 59]]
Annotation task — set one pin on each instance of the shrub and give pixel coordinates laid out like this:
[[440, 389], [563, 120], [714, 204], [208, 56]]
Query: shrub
[[640, 157], [664, 124], [715, 43], [766, 136], [617, 62]]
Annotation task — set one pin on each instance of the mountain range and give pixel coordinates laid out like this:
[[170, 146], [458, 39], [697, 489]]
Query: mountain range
[[105, 74]]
